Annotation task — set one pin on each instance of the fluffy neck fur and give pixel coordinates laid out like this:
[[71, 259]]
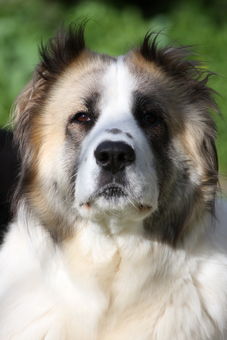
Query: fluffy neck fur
[[101, 285]]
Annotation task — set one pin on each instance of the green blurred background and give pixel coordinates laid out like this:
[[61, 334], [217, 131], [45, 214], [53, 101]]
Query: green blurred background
[[114, 27]]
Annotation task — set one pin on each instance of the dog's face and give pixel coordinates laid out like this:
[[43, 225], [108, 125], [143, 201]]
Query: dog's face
[[126, 138]]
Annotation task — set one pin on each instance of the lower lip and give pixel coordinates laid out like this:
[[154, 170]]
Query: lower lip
[[112, 192], [141, 208]]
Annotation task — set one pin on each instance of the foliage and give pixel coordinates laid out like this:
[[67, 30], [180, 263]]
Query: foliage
[[113, 30]]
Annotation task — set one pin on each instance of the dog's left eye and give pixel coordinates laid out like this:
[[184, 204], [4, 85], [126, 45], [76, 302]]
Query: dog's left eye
[[81, 118], [150, 119]]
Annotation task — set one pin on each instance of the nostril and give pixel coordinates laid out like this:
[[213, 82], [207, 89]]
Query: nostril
[[130, 155], [103, 157], [121, 157], [126, 157]]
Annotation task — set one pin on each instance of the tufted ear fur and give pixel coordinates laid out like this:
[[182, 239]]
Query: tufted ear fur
[[178, 63], [59, 52], [27, 102], [210, 159]]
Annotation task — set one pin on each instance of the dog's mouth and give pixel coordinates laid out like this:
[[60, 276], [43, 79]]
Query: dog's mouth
[[108, 192], [114, 193], [118, 198], [111, 191]]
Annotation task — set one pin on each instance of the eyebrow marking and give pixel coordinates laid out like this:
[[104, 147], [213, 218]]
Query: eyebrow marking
[[145, 102], [114, 131], [91, 101]]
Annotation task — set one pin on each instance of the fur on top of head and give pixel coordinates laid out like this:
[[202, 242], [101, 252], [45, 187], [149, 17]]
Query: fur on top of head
[[180, 169]]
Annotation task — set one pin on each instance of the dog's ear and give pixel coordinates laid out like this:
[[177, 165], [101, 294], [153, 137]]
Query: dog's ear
[[26, 103], [55, 56], [208, 153], [62, 50], [26, 106]]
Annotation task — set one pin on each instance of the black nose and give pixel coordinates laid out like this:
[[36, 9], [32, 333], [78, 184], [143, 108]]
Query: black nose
[[114, 156]]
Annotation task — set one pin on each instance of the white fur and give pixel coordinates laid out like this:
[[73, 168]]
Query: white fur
[[121, 286]]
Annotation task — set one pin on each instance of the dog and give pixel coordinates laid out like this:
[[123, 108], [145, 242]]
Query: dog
[[117, 231]]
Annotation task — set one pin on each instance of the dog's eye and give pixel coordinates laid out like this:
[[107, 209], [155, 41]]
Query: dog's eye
[[81, 118], [150, 119]]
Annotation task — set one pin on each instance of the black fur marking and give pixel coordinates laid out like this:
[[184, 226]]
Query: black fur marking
[[91, 103], [61, 51], [147, 103], [169, 225], [150, 114]]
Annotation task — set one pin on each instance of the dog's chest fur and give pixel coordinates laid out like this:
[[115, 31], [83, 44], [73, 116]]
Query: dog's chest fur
[[103, 286], [135, 288]]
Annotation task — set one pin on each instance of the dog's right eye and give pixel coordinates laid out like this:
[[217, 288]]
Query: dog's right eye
[[81, 118]]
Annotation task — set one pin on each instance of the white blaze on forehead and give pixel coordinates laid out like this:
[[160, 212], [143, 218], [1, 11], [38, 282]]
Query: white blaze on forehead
[[118, 85]]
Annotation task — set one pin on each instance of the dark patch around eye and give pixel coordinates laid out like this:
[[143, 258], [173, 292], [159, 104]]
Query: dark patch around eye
[[82, 121], [147, 111], [152, 118], [91, 101]]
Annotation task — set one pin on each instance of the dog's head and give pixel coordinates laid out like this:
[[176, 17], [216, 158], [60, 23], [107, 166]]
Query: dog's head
[[127, 138]]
